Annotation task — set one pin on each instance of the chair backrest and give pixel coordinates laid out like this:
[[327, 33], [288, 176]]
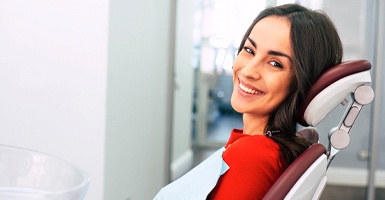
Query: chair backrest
[[293, 173], [305, 178], [309, 134]]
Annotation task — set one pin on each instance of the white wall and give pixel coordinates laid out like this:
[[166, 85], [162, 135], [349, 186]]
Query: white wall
[[55, 60], [138, 99], [182, 154], [53, 69]]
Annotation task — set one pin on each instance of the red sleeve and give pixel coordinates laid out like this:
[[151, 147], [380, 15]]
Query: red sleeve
[[254, 167]]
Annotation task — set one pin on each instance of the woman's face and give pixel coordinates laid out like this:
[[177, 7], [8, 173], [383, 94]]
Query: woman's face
[[263, 68]]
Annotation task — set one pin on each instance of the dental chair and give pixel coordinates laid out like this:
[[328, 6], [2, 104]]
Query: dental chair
[[306, 177]]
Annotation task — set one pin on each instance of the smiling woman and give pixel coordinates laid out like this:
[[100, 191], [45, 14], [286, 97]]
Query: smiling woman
[[262, 72], [281, 54]]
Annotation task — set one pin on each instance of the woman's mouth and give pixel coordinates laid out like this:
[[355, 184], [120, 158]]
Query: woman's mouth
[[249, 90]]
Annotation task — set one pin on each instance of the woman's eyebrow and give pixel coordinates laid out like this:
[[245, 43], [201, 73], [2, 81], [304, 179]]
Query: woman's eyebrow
[[271, 52], [252, 42], [277, 53]]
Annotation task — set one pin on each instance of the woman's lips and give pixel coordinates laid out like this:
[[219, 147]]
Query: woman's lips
[[248, 89]]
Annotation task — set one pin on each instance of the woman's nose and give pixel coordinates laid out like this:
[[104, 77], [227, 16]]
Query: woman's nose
[[252, 69]]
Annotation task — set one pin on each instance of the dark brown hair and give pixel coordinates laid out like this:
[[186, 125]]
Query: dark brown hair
[[316, 47]]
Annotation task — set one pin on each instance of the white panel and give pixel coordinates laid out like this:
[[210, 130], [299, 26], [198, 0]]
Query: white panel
[[183, 90], [138, 99]]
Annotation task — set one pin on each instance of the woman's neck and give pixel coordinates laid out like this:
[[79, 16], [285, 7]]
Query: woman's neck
[[254, 125]]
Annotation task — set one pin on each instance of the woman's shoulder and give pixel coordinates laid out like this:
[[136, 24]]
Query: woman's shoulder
[[254, 143], [253, 150], [254, 161]]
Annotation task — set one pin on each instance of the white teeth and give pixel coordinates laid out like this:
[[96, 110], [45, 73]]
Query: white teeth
[[248, 90]]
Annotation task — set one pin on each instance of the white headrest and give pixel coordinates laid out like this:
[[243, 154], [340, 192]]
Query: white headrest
[[323, 103], [331, 88]]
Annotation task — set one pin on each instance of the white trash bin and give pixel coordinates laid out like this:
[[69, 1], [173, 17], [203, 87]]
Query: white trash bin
[[26, 174]]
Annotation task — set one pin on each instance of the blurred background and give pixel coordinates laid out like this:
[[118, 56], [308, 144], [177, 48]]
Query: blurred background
[[137, 92]]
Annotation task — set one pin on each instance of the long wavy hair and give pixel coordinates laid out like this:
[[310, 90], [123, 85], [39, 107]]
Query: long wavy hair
[[316, 47]]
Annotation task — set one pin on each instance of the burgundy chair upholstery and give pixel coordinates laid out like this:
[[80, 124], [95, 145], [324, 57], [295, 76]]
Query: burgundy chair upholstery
[[290, 176]]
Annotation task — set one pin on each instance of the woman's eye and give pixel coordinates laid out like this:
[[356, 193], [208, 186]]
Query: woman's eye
[[276, 64], [248, 50]]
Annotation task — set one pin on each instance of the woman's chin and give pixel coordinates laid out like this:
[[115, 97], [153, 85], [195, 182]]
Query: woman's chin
[[237, 108]]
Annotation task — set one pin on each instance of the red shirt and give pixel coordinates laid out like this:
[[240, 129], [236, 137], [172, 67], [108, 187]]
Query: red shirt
[[254, 167]]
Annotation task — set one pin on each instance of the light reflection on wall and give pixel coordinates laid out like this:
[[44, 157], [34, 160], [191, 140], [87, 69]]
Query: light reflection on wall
[[221, 26]]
